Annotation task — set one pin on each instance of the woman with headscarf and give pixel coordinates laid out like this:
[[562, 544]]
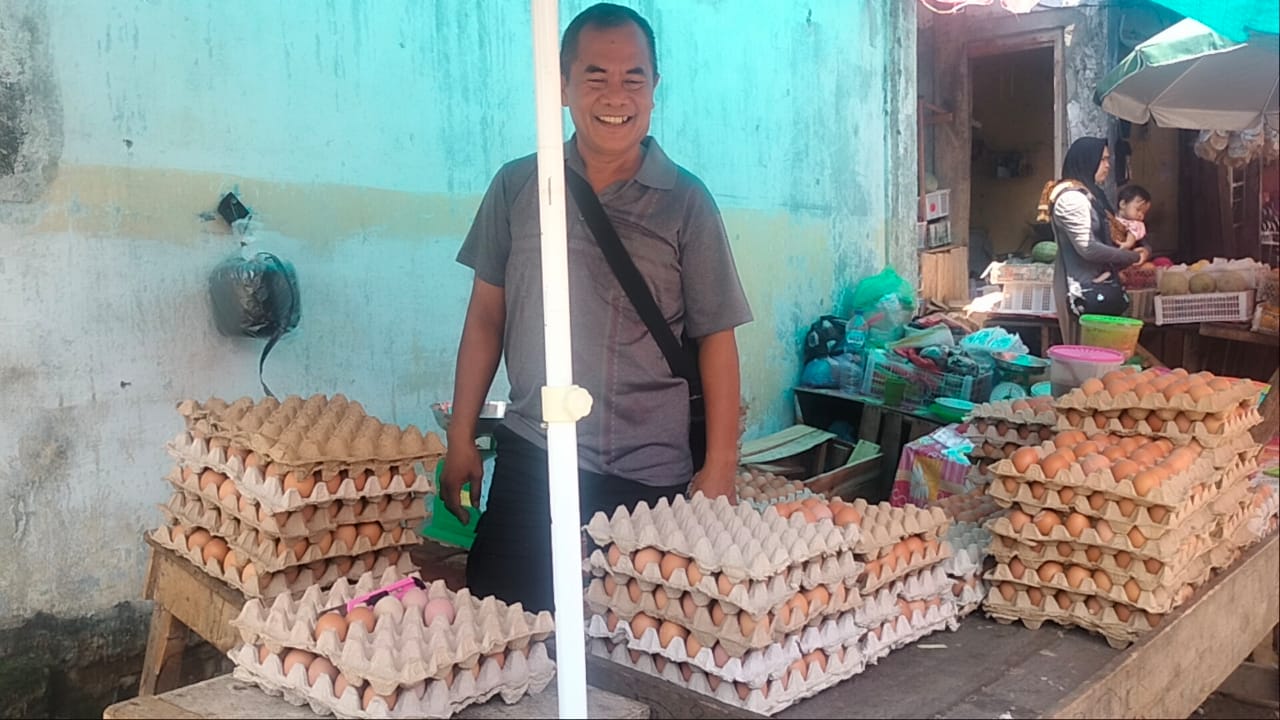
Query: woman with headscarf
[[1085, 277]]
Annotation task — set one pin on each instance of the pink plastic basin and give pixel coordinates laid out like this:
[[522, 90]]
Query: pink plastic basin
[[1073, 364]]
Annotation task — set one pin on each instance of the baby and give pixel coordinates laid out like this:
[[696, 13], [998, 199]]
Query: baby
[[1128, 226]]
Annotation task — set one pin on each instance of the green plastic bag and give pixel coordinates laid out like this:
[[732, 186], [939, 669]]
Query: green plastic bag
[[886, 282]]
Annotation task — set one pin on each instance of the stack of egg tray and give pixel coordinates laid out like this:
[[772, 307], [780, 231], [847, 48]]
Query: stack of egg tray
[[970, 545], [1112, 535], [760, 489], [273, 497], [906, 591], [425, 653], [998, 429], [974, 506], [750, 607]]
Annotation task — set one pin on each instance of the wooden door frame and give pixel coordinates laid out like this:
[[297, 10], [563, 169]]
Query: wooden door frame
[[1049, 38]]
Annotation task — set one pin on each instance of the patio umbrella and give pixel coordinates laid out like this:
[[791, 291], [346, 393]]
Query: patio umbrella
[[1233, 18], [1188, 76]]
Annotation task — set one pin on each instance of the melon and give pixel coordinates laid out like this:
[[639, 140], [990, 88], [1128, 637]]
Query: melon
[[1201, 283], [1231, 281], [1044, 252], [1173, 283]]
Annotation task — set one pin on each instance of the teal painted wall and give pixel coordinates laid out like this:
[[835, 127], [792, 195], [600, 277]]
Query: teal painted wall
[[362, 134]]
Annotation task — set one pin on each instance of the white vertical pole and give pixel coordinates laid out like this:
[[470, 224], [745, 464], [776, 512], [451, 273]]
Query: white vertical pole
[[562, 403]]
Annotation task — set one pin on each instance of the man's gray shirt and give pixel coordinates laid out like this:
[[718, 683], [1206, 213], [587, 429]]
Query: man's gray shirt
[[671, 227]]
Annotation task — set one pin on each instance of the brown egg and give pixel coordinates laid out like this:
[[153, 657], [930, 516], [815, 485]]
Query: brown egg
[[1092, 386], [1094, 463], [369, 696], [1037, 490], [1065, 549], [371, 531], [1155, 422], [1055, 463], [345, 537], [669, 631], [645, 557], [1036, 596], [1076, 575], [1093, 554], [748, 624], [633, 590], [641, 623], [321, 666], [215, 551], [818, 597], [1048, 571], [1066, 495], [362, 615], [1157, 513], [847, 515], [1136, 537], [298, 482], [1017, 519], [611, 620], [1103, 528], [1183, 423], [1124, 468], [613, 555], [1046, 521], [1076, 524], [1123, 559], [717, 614], [694, 574], [719, 655], [297, 657], [211, 480], [660, 599], [1102, 580], [610, 585], [1017, 568], [1093, 605], [1007, 591], [1153, 566], [1097, 500], [1153, 619], [331, 621], [232, 563], [670, 563], [1131, 590]]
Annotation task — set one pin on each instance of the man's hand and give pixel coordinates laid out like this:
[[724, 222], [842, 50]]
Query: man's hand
[[714, 481], [461, 466]]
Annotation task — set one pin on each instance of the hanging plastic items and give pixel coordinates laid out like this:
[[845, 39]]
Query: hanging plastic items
[[253, 295]]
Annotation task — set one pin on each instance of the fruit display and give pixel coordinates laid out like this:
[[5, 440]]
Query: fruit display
[[1204, 277], [761, 609], [1114, 521], [273, 497], [394, 647]]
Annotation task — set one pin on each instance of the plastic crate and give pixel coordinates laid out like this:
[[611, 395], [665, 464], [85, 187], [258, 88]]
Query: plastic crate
[[1208, 307], [1142, 304], [937, 204], [1027, 299], [923, 386], [937, 234]]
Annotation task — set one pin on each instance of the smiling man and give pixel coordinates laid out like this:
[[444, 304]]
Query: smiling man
[[634, 446]]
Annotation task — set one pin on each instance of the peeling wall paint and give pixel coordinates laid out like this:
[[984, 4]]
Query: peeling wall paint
[[362, 134]]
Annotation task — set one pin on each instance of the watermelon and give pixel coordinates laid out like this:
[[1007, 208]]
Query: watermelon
[[1044, 252]]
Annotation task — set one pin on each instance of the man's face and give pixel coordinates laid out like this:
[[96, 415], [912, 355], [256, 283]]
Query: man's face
[[609, 91]]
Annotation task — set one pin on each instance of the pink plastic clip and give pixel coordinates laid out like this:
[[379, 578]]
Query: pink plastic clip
[[398, 589]]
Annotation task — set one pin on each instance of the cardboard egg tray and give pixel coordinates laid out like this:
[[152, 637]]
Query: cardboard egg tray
[[736, 541], [967, 593], [818, 674], [1170, 493], [518, 674], [906, 629], [1139, 516], [884, 604], [292, 580], [754, 487], [401, 649], [761, 631], [755, 668], [1031, 411], [1106, 622], [886, 569], [1118, 563], [271, 554], [755, 596], [884, 525], [1189, 569], [265, 485], [999, 432], [1228, 433], [319, 432], [1164, 548], [972, 507], [1160, 599], [1216, 402], [309, 520], [989, 451], [969, 546]]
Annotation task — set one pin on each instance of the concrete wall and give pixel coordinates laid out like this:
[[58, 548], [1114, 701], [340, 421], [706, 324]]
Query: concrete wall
[[362, 135]]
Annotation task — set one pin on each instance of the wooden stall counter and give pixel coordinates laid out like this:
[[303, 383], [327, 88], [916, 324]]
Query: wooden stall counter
[[226, 697], [989, 670]]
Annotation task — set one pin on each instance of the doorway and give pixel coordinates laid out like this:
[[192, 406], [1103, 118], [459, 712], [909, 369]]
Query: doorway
[[1016, 142]]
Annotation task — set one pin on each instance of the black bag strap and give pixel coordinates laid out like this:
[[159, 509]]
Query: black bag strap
[[281, 327], [624, 268]]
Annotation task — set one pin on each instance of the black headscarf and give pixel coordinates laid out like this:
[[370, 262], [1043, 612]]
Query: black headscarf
[[1081, 163]]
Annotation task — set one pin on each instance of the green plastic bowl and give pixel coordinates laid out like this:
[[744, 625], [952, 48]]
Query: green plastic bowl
[[951, 409]]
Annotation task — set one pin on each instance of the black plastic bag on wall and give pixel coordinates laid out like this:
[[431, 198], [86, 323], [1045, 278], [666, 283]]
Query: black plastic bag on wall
[[255, 297]]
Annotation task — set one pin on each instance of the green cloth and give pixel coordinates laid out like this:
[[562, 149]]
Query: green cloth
[[1232, 18]]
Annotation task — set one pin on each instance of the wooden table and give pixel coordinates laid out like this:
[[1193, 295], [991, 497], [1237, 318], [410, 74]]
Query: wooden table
[[990, 670], [888, 427], [189, 600], [226, 697]]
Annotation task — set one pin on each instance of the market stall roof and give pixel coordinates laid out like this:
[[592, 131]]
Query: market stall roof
[[1189, 76], [1234, 19]]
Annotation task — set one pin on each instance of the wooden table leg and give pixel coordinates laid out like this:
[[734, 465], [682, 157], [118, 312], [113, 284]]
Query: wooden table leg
[[1191, 352], [162, 666]]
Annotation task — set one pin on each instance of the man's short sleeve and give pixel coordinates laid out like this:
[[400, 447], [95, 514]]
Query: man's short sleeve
[[713, 295], [488, 243]]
